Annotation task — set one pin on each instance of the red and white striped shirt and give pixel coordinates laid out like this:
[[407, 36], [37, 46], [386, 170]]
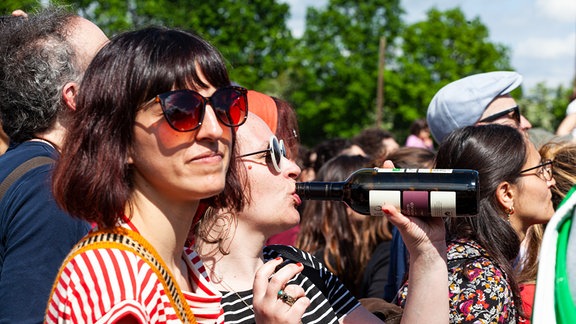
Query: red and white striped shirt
[[105, 284]]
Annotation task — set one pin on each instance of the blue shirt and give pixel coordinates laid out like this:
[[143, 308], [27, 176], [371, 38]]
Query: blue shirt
[[398, 265], [35, 236]]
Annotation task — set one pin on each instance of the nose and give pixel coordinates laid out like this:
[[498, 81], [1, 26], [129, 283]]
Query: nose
[[291, 167], [211, 127], [551, 183], [524, 123]]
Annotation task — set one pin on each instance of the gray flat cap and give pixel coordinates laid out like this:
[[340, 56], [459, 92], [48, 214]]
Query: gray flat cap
[[462, 102]]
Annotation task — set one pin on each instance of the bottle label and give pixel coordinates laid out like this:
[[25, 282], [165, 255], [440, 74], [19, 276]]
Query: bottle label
[[414, 203], [378, 198], [443, 203]]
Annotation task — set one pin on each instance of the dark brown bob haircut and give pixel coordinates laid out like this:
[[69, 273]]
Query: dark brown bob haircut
[[93, 180]]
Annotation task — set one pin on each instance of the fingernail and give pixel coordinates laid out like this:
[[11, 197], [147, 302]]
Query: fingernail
[[278, 258], [299, 264], [386, 211]]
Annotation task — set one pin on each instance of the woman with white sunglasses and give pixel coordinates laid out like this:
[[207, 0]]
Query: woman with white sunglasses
[[254, 287]]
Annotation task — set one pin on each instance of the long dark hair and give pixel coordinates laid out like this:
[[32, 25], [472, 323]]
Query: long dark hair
[[327, 231], [92, 180], [498, 153]]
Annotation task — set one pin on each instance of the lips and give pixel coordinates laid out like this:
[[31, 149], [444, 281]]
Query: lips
[[297, 199], [208, 155]]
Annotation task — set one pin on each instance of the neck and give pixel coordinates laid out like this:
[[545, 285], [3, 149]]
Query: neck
[[53, 136], [47, 141], [242, 258], [519, 227], [165, 225]]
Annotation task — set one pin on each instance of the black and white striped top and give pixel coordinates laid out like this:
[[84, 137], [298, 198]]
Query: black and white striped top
[[330, 300]]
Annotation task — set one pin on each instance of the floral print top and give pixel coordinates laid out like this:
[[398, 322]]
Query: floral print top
[[478, 289]]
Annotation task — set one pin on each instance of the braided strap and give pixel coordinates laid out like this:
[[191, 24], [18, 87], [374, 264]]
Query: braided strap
[[128, 240]]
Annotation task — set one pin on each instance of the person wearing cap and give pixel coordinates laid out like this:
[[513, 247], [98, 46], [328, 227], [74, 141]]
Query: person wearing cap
[[482, 98]]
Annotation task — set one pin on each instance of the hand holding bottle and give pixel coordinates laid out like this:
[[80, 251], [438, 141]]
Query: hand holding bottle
[[421, 235], [426, 243]]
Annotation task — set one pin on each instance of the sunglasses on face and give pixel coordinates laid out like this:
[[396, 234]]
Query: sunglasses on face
[[515, 115], [184, 109], [544, 170], [274, 153]]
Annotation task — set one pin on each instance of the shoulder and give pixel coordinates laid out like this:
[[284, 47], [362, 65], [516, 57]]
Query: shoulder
[[103, 264], [478, 287], [28, 207], [571, 109], [292, 253], [320, 284], [464, 249], [468, 259], [34, 178], [113, 279]]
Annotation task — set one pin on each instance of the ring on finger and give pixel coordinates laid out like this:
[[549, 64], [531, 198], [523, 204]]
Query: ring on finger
[[287, 299]]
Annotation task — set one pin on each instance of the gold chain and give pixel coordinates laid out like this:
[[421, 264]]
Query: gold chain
[[224, 284]]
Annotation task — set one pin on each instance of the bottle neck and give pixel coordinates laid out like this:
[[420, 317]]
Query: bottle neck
[[320, 190]]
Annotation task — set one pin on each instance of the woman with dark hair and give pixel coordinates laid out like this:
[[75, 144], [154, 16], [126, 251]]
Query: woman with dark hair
[[330, 230], [152, 136], [514, 194]]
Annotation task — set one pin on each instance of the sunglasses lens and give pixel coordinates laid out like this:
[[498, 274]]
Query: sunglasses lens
[[283, 149], [230, 105], [183, 109], [516, 115], [275, 154]]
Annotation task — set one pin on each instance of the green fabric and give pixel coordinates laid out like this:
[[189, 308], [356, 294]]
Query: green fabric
[[568, 194], [565, 310]]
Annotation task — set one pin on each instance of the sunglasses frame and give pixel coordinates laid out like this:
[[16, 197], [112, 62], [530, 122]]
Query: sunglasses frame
[[500, 114], [273, 147], [543, 166], [161, 99]]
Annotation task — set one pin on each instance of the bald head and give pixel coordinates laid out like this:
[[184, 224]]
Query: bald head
[[87, 39]]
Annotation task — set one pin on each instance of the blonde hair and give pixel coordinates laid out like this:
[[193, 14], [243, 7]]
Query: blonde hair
[[563, 153]]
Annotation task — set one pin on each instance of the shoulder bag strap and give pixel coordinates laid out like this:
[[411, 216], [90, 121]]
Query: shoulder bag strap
[[125, 239], [21, 170]]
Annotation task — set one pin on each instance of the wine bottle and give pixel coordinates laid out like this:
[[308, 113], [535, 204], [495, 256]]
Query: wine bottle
[[415, 192]]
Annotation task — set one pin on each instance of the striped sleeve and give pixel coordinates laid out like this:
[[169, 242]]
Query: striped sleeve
[[107, 284], [336, 295]]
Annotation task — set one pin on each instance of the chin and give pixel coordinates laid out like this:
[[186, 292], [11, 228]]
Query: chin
[[211, 189]]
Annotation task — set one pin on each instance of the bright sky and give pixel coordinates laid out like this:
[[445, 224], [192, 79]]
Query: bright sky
[[540, 33]]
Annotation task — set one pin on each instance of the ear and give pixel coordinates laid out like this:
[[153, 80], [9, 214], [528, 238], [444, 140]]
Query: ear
[[69, 93], [505, 194], [130, 157]]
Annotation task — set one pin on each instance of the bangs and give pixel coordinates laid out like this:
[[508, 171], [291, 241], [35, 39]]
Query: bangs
[[182, 60]]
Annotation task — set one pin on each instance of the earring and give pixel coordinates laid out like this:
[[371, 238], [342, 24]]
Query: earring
[[509, 212]]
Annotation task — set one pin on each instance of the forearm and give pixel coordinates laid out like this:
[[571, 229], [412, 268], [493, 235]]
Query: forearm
[[428, 298], [567, 125]]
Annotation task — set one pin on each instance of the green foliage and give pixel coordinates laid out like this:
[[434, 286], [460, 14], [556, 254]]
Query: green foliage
[[7, 6], [330, 74], [545, 107], [252, 35], [335, 66], [443, 48]]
